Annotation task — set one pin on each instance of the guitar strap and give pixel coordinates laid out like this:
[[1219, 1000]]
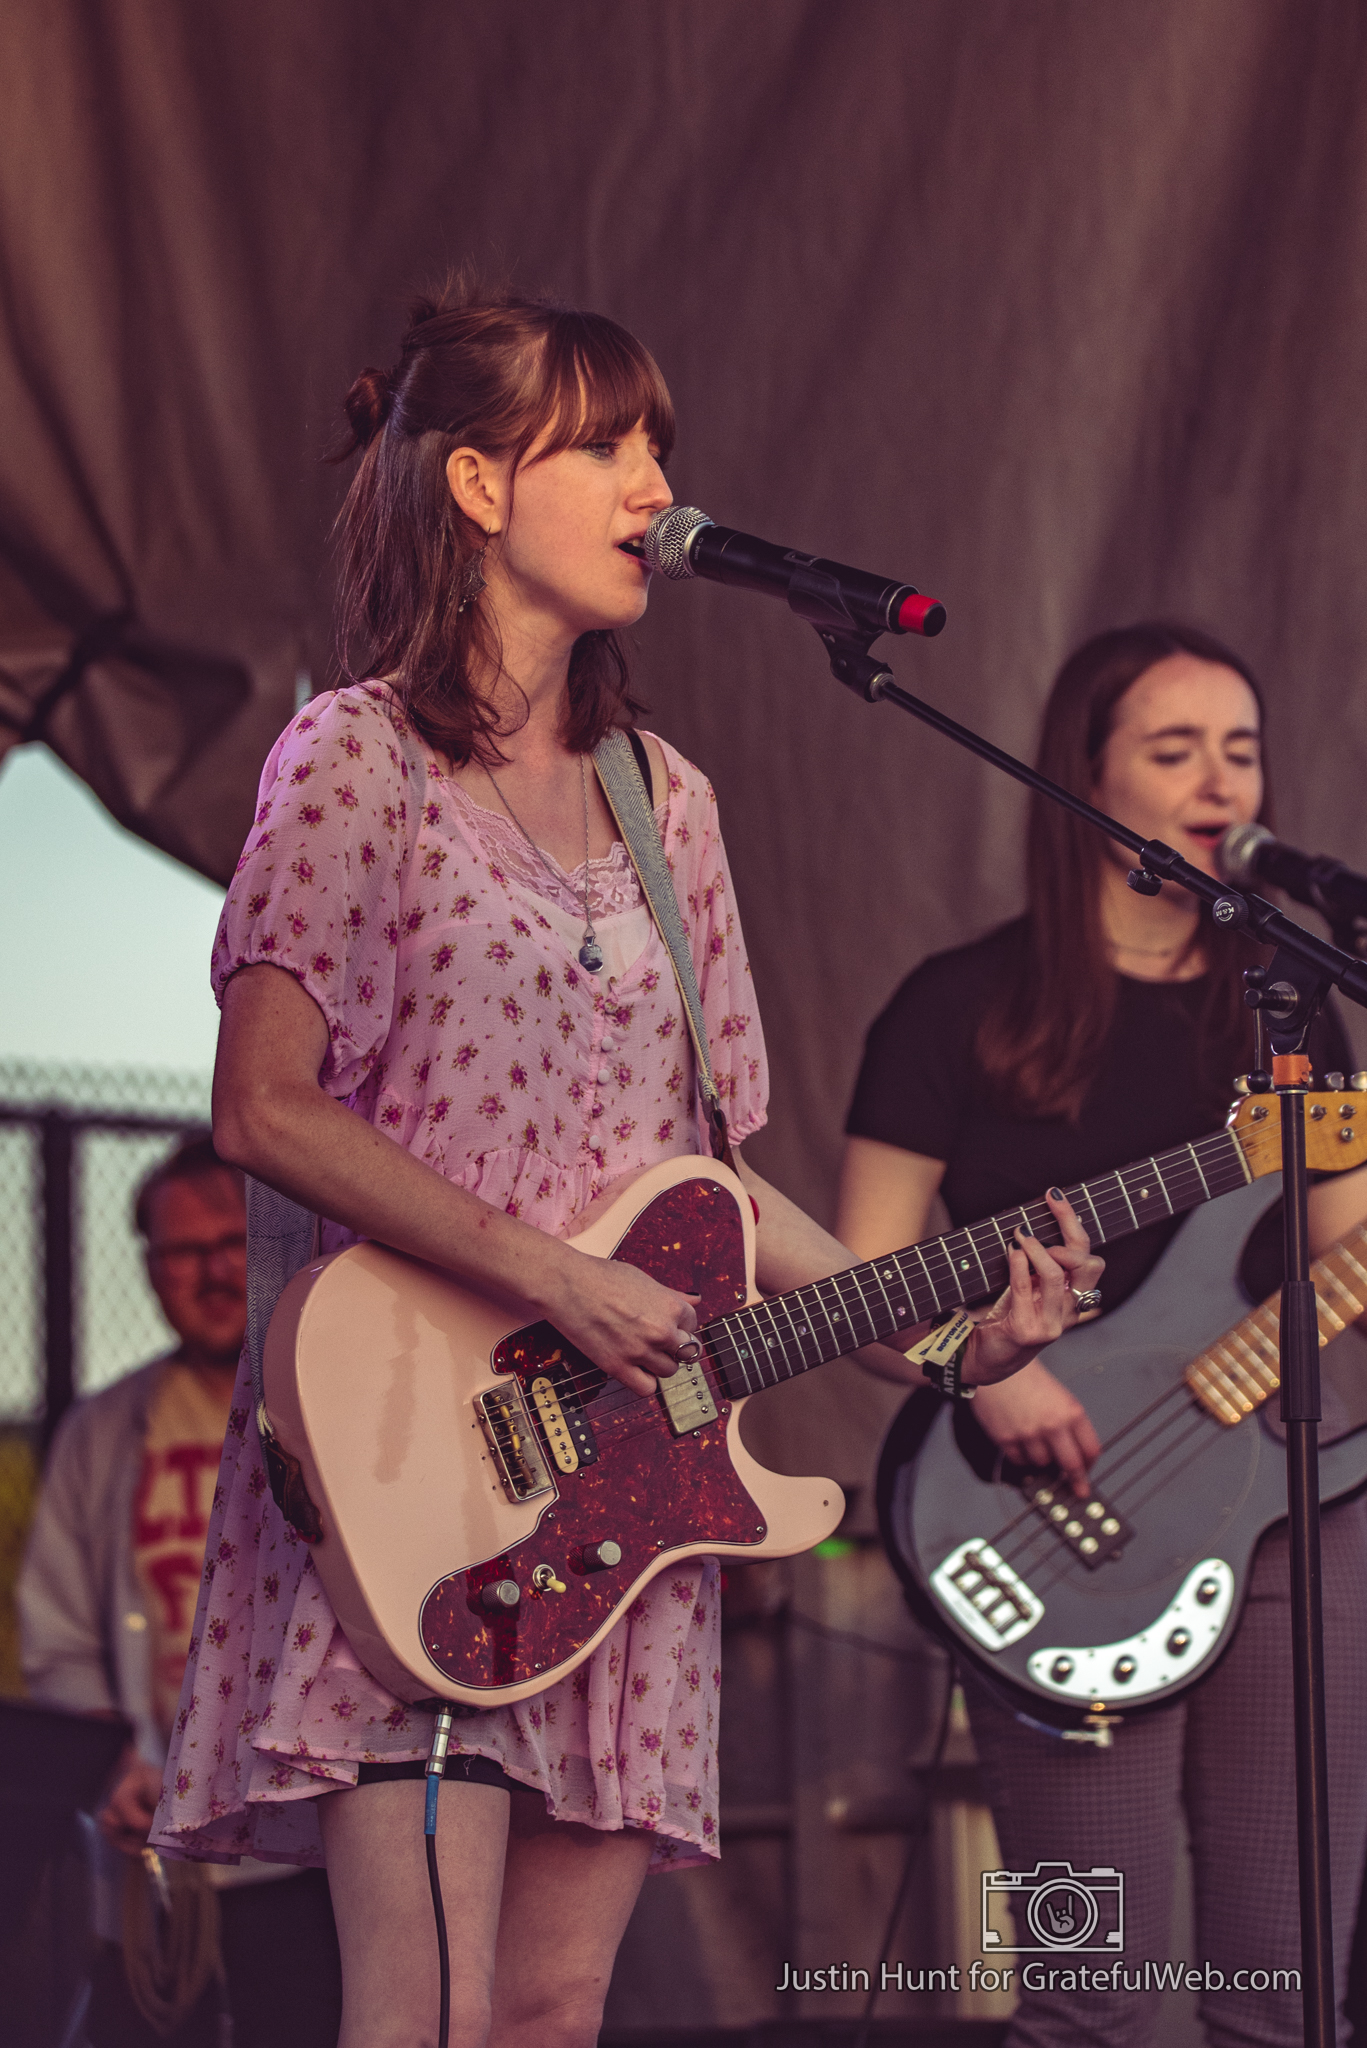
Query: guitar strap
[[623, 769], [282, 1235]]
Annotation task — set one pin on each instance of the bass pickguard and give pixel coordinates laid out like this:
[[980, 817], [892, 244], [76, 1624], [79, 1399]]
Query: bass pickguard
[[1189, 1488], [647, 1489]]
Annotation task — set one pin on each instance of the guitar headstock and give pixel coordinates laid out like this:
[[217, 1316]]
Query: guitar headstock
[[1335, 1131]]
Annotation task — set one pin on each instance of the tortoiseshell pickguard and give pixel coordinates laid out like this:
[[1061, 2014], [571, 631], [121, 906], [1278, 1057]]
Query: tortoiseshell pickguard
[[648, 1490]]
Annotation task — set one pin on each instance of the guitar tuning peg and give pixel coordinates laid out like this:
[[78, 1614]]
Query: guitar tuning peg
[[1334, 1080], [1241, 1086], [1358, 1081]]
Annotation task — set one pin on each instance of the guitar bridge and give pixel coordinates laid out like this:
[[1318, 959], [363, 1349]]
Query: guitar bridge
[[1093, 1531], [688, 1399], [512, 1440], [980, 1590]]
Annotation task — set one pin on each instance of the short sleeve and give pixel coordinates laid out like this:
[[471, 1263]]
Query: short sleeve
[[702, 881], [914, 1073], [317, 890]]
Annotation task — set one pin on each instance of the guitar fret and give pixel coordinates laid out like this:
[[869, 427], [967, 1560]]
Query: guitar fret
[[1361, 1271], [1353, 1299], [934, 1290], [853, 1276], [1197, 1164], [1120, 1183], [768, 1307]]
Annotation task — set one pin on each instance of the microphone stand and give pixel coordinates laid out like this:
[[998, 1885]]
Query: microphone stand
[[1290, 992]]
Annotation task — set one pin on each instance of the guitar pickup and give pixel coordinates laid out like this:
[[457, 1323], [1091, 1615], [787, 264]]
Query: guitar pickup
[[569, 1438], [512, 1440], [688, 1399], [1092, 1530]]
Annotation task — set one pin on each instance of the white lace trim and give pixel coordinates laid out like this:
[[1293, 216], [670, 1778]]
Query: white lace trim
[[614, 885]]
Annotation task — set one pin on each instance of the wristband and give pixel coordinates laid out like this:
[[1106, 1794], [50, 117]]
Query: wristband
[[940, 1354]]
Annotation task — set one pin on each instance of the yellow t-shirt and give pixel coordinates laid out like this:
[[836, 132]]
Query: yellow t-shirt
[[186, 1427]]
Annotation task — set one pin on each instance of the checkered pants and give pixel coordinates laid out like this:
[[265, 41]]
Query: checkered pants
[[1225, 1751]]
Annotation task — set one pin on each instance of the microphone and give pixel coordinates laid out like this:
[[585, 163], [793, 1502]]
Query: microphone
[[1250, 853], [682, 541]]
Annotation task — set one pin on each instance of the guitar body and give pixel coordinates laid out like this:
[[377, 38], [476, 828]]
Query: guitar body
[[378, 1372], [1194, 1495]]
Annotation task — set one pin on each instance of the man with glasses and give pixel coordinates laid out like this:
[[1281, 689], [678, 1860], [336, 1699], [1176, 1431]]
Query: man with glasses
[[107, 1606]]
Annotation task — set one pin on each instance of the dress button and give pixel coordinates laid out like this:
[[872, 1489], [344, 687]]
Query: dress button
[[607, 1044], [604, 1076]]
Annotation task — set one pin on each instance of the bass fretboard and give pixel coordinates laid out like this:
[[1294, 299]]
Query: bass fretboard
[[775, 1339]]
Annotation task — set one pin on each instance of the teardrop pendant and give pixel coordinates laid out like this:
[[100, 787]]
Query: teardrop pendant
[[591, 954]]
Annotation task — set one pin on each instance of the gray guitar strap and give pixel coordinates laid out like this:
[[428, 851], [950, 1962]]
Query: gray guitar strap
[[282, 1236], [627, 789]]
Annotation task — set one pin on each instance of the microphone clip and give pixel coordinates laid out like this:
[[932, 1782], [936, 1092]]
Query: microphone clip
[[852, 664]]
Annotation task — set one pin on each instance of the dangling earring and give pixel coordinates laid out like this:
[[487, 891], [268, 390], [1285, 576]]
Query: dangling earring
[[473, 581]]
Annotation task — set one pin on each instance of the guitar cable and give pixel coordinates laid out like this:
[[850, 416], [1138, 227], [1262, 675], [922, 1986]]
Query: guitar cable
[[436, 1765], [914, 1846]]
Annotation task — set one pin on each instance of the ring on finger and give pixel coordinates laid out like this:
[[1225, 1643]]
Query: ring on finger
[[689, 1352], [1087, 1298]]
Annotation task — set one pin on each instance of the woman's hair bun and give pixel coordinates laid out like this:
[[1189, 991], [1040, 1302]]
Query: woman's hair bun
[[367, 405]]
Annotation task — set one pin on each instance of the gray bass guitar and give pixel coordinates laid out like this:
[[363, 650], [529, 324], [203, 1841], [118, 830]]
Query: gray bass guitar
[[1080, 1610]]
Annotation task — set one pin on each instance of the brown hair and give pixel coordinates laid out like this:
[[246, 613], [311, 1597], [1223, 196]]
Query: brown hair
[[193, 1159], [492, 371], [1041, 1041]]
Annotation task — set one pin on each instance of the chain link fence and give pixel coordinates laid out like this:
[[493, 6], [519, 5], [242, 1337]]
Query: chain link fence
[[76, 1310]]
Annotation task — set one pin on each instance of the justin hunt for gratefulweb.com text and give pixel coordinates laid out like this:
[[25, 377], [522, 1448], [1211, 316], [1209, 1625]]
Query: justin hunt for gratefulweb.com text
[[1116, 1976]]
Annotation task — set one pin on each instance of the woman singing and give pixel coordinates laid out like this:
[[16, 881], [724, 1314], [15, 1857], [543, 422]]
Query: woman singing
[[449, 1025], [1101, 1027]]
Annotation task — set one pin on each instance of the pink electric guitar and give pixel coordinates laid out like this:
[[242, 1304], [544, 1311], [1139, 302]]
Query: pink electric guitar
[[491, 1503]]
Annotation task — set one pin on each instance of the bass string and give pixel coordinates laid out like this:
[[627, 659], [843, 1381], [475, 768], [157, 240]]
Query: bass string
[[1065, 1565], [1120, 1498], [1029, 1514], [1188, 1447]]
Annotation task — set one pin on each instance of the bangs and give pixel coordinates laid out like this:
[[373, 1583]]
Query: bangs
[[597, 382]]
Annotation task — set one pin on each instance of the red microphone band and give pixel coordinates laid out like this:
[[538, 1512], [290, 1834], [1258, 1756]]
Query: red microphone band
[[917, 614]]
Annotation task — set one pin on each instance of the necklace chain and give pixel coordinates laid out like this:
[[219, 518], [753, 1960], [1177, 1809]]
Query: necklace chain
[[590, 952]]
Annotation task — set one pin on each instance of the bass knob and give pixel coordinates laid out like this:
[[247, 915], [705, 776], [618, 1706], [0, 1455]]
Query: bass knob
[[602, 1557], [500, 1596], [1123, 1670]]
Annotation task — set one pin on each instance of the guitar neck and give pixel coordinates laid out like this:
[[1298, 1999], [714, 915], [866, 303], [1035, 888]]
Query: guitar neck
[[1237, 1373], [787, 1334]]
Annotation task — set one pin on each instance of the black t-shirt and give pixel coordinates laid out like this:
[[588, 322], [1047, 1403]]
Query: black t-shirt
[[921, 1088]]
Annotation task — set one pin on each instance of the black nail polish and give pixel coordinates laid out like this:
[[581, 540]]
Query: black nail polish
[[1056, 1194], [1025, 1230]]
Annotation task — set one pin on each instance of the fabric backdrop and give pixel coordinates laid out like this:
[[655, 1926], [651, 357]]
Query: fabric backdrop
[[1056, 309]]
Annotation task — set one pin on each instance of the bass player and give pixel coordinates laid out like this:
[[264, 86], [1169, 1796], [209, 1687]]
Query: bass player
[[1100, 1027]]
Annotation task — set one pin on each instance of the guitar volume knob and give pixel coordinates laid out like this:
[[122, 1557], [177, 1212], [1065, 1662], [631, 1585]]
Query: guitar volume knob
[[602, 1557], [500, 1596]]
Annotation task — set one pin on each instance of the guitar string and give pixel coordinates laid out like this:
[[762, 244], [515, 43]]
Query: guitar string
[[1108, 1485], [1038, 1214], [1029, 1514], [1064, 1565]]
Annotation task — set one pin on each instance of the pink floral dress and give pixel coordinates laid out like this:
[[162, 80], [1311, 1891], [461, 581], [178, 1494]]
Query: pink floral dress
[[443, 957]]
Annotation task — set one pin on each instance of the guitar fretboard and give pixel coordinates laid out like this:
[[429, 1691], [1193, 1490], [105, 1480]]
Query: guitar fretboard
[[1236, 1373], [774, 1340]]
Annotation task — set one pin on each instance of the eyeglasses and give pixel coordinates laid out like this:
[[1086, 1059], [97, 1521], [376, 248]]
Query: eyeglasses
[[184, 1258]]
